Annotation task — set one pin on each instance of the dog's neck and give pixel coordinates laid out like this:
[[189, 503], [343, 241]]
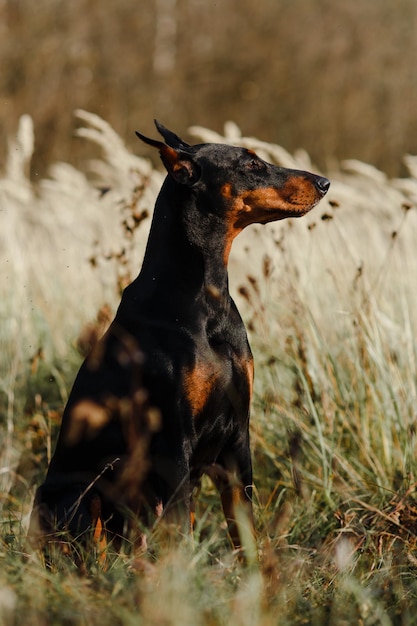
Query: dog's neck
[[186, 249]]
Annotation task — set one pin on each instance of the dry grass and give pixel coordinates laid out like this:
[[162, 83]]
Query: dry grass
[[330, 304]]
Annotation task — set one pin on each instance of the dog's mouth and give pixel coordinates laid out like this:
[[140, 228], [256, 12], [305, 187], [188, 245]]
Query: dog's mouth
[[297, 197], [278, 213]]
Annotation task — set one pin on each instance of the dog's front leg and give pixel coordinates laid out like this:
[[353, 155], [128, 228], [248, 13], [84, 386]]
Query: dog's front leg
[[174, 492], [232, 476]]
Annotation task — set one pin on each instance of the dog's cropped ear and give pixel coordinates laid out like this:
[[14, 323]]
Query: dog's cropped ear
[[178, 163], [171, 139]]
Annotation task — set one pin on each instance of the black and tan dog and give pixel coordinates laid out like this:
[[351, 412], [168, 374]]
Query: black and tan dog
[[178, 335]]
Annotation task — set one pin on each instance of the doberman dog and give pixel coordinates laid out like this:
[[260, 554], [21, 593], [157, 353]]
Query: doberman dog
[[178, 335]]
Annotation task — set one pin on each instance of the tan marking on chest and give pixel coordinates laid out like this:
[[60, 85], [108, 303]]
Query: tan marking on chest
[[199, 383]]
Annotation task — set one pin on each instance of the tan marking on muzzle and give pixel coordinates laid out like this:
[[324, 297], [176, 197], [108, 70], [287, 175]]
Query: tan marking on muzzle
[[295, 198]]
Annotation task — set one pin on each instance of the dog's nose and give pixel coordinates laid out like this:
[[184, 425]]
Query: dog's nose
[[322, 184]]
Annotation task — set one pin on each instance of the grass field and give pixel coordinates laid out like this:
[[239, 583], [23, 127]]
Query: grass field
[[330, 304]]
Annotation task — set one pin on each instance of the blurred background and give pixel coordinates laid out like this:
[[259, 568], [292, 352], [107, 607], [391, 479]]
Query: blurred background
[[336, 77]]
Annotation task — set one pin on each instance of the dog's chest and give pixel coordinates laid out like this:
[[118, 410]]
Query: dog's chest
[[219, 381]]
